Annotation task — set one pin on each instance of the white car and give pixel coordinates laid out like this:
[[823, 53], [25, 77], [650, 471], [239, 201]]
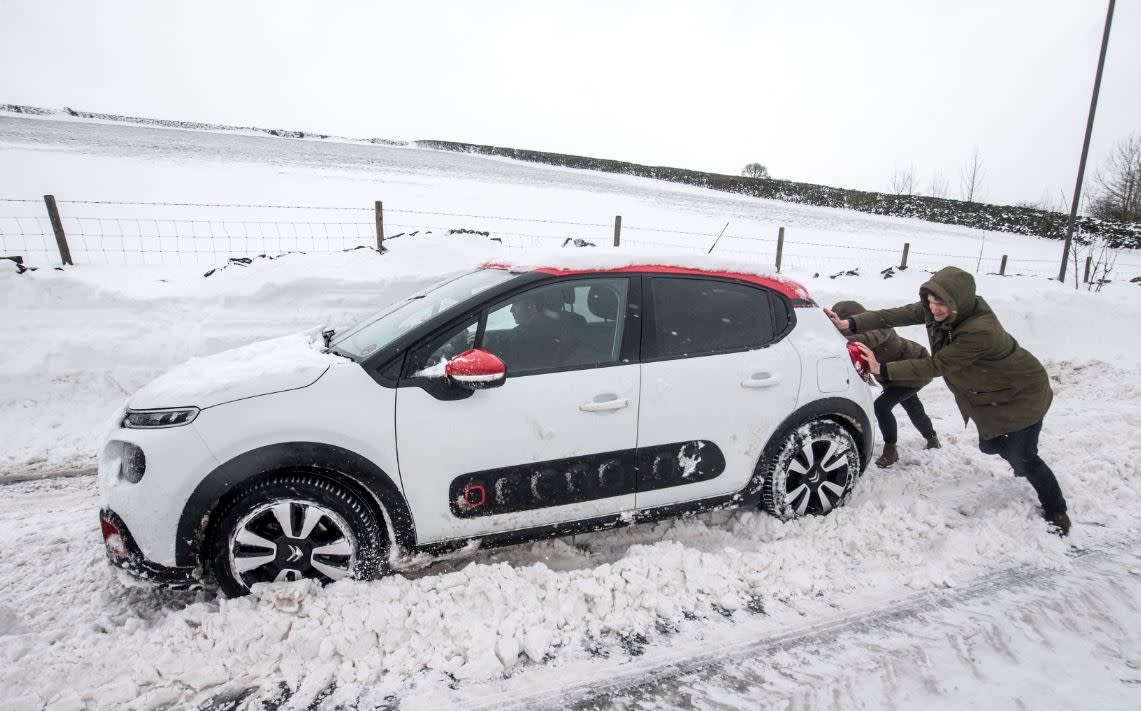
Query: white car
[[502, 405]]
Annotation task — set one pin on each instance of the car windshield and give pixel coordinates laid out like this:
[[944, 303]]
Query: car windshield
[[378, 330]]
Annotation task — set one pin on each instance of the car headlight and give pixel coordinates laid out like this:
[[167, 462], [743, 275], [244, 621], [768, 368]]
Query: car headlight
[[144, 419]]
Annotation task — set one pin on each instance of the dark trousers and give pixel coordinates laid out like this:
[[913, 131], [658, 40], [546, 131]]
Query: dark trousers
[[1021, 450], [893, 395]]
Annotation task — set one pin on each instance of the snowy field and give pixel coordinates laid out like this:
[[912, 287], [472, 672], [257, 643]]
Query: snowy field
[[937, 586]]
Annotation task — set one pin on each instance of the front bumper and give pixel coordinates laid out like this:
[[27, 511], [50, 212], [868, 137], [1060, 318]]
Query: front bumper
[[176, 461], [124, 553]]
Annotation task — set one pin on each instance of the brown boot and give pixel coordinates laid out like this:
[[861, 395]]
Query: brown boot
[[1059, 523], [933, 442], [890, 456]]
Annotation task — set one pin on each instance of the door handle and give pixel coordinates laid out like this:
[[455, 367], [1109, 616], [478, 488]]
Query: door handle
[[761, 380], [606, 405]]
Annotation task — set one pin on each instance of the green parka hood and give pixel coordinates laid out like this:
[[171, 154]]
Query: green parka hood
[[955, 288], [848, 309]]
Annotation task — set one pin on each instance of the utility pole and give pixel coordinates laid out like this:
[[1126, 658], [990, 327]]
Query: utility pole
[[1085, 146]]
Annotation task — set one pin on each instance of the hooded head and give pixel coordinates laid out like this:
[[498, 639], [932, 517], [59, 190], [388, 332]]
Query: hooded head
[[955, 288], [848, 309]]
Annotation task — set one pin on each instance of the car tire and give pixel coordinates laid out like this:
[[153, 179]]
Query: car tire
[[292, 526], [810, 470]]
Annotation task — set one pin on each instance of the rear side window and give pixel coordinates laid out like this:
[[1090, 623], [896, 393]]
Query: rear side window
[[694, 317]]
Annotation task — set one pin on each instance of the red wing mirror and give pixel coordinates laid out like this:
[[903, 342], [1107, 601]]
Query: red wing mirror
[[476, 369]]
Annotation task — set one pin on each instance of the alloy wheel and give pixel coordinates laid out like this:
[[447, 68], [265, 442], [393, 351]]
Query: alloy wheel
[[818, 476], [291, 539]]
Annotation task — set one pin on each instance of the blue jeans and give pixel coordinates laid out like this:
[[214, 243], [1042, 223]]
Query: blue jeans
[[1020, 449]]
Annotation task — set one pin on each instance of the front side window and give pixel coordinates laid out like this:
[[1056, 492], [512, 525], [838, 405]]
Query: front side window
[[694, 317], [565, 325], [428, 359]]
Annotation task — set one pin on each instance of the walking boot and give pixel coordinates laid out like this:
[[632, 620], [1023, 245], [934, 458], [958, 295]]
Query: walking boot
[[890, 456], [933, 442], [1059, 523]]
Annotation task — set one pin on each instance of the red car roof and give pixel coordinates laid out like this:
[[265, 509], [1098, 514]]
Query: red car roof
[[791, 289]]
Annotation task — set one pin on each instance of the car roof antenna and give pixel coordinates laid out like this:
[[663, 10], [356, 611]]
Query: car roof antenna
[[718, 238]]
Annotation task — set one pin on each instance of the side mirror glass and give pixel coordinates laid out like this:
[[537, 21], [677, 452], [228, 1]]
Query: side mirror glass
[[476, 369]]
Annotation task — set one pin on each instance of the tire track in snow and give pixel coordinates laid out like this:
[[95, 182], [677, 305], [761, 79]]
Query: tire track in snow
[[887, 656], [54, 474]]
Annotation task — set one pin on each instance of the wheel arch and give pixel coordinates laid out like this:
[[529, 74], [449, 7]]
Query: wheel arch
[[844, 412], [336, 463]]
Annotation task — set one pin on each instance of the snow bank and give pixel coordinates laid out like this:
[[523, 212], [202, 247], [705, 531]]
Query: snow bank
[[91, 336], [79, 342]]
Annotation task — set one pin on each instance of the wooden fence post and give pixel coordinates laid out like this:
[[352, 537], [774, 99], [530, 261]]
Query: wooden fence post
[[1089, 261], [780, 247], [57, 227], [906, 249], [380, 226], [617, 229], [1002, 266]]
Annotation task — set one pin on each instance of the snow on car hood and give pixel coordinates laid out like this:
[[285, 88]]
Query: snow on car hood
[[260, 368]]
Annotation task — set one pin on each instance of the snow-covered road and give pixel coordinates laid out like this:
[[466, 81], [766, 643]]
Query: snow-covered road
[[937, 572], [1026, 637]]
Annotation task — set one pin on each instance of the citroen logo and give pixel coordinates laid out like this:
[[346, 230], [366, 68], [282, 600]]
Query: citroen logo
[[294, 554]]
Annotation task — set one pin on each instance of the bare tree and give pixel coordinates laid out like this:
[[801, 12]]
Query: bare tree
[[971, 178], [1102, 260], [903, 180], [939, 185], [1118, 193], [755, 170]]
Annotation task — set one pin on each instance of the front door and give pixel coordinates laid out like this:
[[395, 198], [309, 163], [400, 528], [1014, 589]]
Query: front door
[[554, 443]]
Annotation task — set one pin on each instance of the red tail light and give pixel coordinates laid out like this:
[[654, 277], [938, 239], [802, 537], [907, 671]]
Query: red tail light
[[113, 538], [858, 359]]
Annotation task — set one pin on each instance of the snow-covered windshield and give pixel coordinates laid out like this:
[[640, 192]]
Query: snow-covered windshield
[[378, 330]]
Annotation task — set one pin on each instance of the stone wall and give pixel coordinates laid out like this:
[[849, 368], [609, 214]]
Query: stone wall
[[1001, 218]]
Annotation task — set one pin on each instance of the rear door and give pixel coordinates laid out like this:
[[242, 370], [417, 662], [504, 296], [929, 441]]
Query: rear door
[[718, 377], [555, 443]]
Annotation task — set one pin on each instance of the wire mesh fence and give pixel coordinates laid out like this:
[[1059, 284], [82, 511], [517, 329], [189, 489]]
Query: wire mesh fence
[[123, 232], [116, 240]]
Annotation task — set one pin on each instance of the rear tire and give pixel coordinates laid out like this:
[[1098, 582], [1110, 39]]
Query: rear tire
[[293, 526], [810, 470]]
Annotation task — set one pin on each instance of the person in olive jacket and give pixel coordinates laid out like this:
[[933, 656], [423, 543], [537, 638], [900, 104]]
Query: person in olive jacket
[[888, 347], [996, 382]]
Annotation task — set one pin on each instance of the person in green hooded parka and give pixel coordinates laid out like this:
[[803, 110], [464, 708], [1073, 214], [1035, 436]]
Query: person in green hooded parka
[[996, 382]]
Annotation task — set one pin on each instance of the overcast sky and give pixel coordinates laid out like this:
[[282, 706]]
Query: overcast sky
[[837, 92]]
